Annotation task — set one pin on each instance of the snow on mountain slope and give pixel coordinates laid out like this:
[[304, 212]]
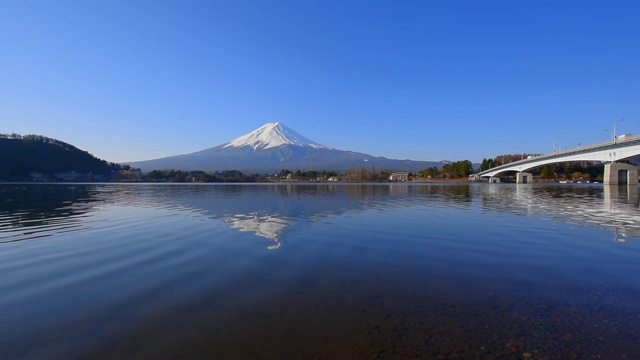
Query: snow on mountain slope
[[272, 135]]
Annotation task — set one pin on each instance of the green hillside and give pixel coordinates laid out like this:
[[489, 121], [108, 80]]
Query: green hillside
[[21, 156]]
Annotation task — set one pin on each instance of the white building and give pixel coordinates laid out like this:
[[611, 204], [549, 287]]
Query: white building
[[399, 176]]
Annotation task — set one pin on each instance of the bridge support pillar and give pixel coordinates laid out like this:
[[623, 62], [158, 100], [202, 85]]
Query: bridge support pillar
[[494, 179], [620, 174], [524, 178]]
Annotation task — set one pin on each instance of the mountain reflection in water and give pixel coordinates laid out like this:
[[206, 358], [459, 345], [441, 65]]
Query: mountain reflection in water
[[268, 226], [31, 211]]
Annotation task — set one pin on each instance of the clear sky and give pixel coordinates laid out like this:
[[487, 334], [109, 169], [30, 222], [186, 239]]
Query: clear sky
[[425, 80]]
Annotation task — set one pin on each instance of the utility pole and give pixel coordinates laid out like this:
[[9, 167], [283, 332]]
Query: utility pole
[[614, 131]]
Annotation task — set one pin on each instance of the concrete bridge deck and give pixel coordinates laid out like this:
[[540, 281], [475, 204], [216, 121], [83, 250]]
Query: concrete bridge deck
[[610, 152]]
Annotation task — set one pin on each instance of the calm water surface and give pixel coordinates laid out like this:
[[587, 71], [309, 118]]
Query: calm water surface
[[428, 271]]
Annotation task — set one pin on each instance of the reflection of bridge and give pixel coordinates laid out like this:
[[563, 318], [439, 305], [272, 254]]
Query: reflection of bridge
[[611, 153], [612, 208]]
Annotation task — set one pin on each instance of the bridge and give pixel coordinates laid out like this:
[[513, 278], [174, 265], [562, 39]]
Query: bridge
[[612, 153]]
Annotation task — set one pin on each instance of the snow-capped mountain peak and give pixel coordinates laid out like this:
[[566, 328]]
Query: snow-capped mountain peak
[[272, 135], [270, 149]]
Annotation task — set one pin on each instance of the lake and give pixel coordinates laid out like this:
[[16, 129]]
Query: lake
[[297, 271]]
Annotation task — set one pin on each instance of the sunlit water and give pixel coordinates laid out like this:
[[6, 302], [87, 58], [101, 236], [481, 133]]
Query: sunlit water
[[319, 271]]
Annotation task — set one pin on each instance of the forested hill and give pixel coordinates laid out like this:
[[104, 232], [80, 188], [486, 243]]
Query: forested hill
[[21, 156]]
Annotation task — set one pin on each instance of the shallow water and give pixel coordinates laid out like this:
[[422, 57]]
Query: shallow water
[[319, 271]]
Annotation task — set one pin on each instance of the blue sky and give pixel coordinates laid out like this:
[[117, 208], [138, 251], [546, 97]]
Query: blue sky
[[424, 80]]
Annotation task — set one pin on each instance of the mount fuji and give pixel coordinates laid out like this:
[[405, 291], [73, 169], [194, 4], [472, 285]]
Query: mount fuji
[[273, 147]]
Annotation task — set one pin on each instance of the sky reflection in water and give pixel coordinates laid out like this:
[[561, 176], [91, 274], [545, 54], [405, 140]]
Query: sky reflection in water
[[387, 271]]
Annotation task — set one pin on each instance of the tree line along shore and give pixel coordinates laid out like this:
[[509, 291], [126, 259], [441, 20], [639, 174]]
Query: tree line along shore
[[41, 159]]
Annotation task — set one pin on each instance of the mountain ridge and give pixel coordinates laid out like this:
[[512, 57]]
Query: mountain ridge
[[23, 155], [273, 147]]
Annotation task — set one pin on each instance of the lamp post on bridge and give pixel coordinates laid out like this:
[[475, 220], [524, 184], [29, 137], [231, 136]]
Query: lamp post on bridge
[[614, 130]]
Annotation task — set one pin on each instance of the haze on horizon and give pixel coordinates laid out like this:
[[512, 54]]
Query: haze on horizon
[[420, 80]]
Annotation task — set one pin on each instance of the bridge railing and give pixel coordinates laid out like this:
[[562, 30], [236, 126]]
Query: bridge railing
[[617, 143]]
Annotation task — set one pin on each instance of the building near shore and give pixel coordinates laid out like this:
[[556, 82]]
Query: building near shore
[[399, 176]]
